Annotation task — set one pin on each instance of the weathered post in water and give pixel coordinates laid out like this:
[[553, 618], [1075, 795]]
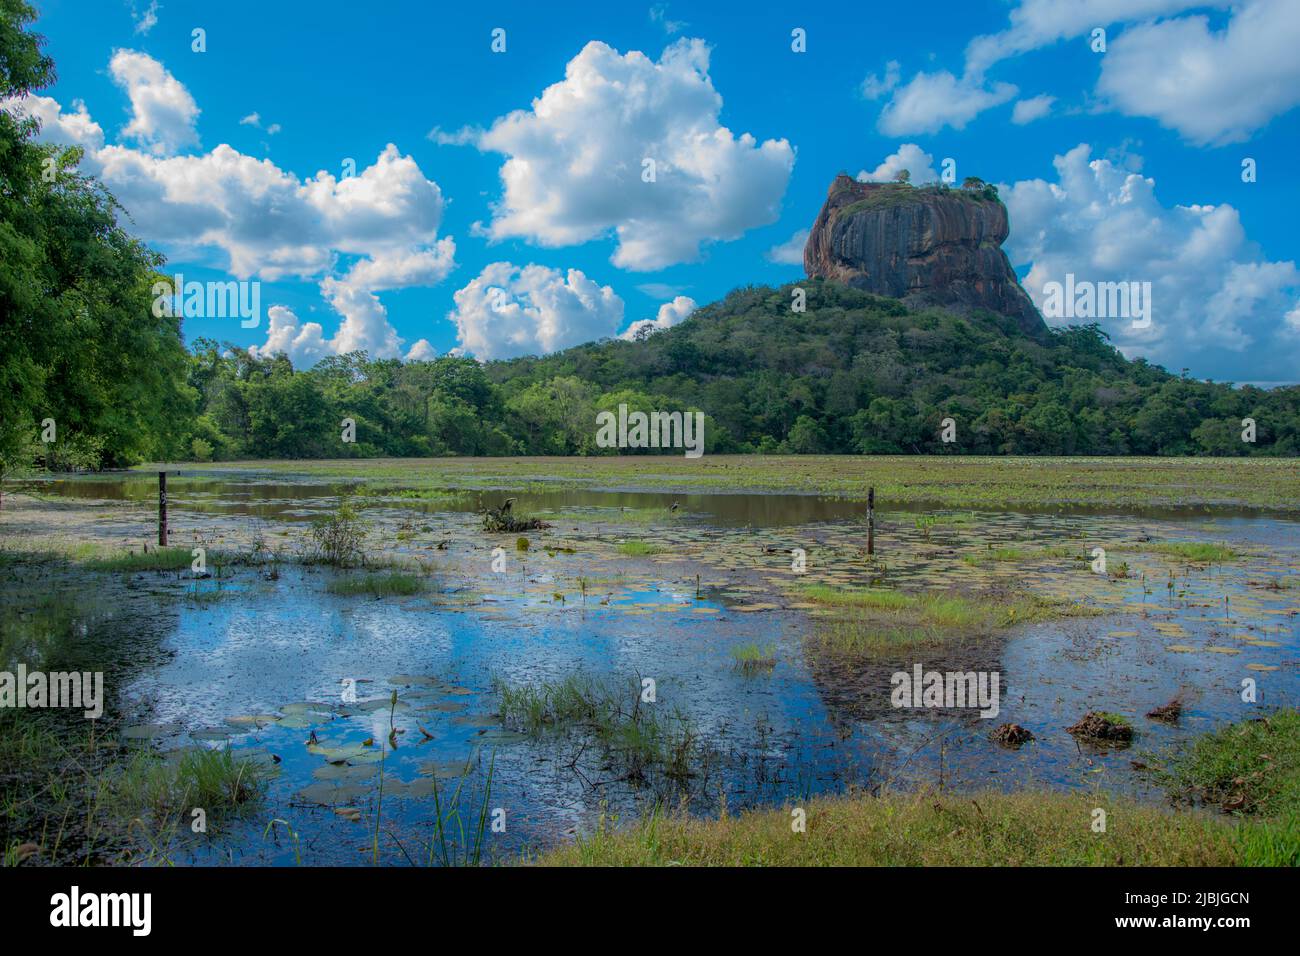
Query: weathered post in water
[[162, 509], [871, 521]]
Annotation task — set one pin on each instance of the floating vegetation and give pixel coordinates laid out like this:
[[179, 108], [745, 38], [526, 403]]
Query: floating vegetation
[[996, 554]]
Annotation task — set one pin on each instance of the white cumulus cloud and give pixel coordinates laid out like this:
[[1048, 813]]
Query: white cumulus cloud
[[575, 160], [1035, 107], [931, 101], [1213, 87], [918, 163], [790, 252], [508, 310], [670, 313], [1217, 305], [1163, 60], [163, 114], [265, 222]]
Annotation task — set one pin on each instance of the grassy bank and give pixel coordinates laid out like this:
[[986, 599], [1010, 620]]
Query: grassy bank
[[1250, 769], [943, 481], [987, 829]]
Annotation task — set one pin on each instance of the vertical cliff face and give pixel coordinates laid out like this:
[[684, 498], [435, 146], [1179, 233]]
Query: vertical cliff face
[[926, 246]]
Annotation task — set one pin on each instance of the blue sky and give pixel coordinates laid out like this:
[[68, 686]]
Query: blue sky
[[486, 219]]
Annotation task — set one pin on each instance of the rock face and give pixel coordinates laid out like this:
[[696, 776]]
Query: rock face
[[926, 246]]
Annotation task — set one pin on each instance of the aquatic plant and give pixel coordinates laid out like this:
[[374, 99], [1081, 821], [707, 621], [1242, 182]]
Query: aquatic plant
[[1197, 552], [450, 844], [753, 659], [338, 538], [642, 738], [147, 559], [638, 548], [379, 585]]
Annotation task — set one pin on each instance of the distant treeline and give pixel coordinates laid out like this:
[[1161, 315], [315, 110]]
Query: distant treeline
[[853, 374]]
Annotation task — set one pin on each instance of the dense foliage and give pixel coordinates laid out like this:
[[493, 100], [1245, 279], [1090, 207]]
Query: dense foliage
[[82, 351], [853, 374]]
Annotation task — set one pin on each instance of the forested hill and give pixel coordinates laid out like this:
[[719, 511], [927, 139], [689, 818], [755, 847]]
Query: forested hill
[[854, 373]]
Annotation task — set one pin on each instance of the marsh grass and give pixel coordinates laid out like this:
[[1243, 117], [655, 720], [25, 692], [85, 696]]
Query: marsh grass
[[1252, 767], [996, 554], [458, 828], [1197, 552], [155, 559], [70, 792], [752, 659], [370, 584], [875, 619], [620, 516], [215, 780], [642, 738], [638, 549], [928, 829], [415, 495], [48, 791], [986, 483], [1269, 843]]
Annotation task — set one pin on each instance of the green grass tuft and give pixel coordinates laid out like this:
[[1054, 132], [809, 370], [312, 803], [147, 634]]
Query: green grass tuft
[[638, 548], [1195, 551], [164, 559], [379, 585]]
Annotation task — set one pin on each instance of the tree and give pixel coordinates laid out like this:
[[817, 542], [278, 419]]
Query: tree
[[81, 343]]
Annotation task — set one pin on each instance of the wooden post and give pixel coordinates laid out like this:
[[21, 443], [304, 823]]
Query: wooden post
[[871, 521], [162, 509]]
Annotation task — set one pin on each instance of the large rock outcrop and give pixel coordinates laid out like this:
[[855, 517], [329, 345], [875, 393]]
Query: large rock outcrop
[[926, 246]]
